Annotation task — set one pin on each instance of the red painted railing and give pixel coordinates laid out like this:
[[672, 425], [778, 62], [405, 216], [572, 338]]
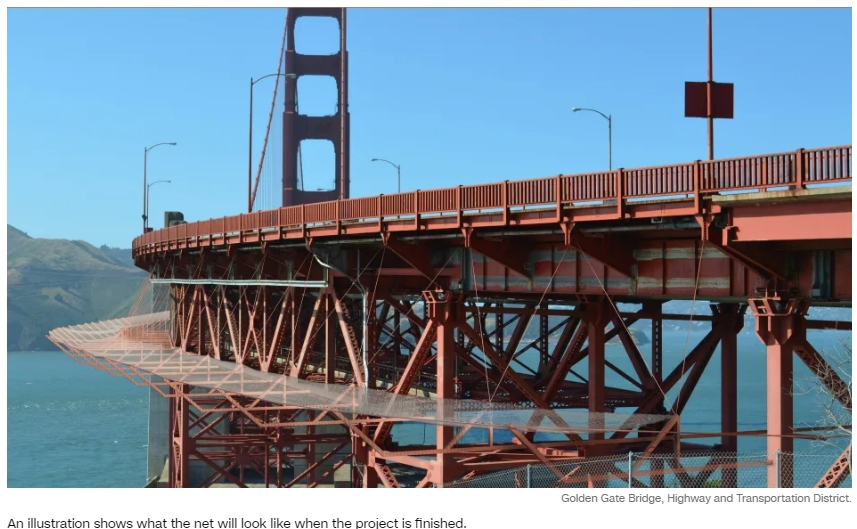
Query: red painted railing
[[794, 170]]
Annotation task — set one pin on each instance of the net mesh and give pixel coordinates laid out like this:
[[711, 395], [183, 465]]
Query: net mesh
[[142, 341]]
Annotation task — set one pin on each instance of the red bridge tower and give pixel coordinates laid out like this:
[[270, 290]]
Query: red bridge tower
[[298, 127]]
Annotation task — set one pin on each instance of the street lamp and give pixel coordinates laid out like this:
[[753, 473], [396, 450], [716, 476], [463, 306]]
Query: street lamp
[[147, 194], [145, 186], [398, 171], [250, 156], [609, 131]]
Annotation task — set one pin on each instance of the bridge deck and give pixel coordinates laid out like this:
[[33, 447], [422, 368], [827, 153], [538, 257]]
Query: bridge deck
[[654, 192]]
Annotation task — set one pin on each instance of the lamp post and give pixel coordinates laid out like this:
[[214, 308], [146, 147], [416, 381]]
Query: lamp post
[[147, 194], [145, 185], [398, 171], [250, 156], [609, 119], [708, 88]]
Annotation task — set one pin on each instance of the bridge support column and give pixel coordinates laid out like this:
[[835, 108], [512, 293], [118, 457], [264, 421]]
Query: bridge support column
[[180, 439], [731, 319], [596, 319], [780, 325], [656, 309], [367, 457], [443, 310]]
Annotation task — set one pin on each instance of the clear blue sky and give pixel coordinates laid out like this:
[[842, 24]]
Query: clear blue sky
[[455, 96]]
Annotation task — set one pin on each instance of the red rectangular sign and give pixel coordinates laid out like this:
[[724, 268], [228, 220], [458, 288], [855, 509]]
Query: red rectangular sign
[[696, 100]]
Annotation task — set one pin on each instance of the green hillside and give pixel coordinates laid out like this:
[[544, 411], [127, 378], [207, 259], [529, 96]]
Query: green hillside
[[57, 282]]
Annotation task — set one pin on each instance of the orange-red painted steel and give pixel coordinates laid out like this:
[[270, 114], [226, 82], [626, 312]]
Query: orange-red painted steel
[[452, 246], [439, 209], [297, 127]]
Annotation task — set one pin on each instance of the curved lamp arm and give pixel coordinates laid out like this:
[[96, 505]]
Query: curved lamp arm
[[289, 75], [603, 115], [164, 143], [383, 160], [160, 182], [398, 171]]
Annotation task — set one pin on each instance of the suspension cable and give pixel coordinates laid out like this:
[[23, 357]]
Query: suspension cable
[[271, 113]]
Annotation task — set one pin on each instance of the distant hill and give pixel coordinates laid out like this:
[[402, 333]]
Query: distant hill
[[57, 282], [638, 335], [121, 255]]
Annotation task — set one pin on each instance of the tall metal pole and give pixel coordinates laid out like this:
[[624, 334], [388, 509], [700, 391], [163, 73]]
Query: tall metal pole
[[145, 187], [250, 156], [710, 81], [610, 141]]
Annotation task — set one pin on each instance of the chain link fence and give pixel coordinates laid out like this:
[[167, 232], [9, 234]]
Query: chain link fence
[[701, 470], [801, 471], [692, 470], [503, 479]]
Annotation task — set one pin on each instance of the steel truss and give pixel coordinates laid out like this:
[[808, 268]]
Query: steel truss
[[247, 443], [453, 346], [450, 345], [543, 353]]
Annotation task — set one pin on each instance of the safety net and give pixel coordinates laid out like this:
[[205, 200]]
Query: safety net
[[142, 342]]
